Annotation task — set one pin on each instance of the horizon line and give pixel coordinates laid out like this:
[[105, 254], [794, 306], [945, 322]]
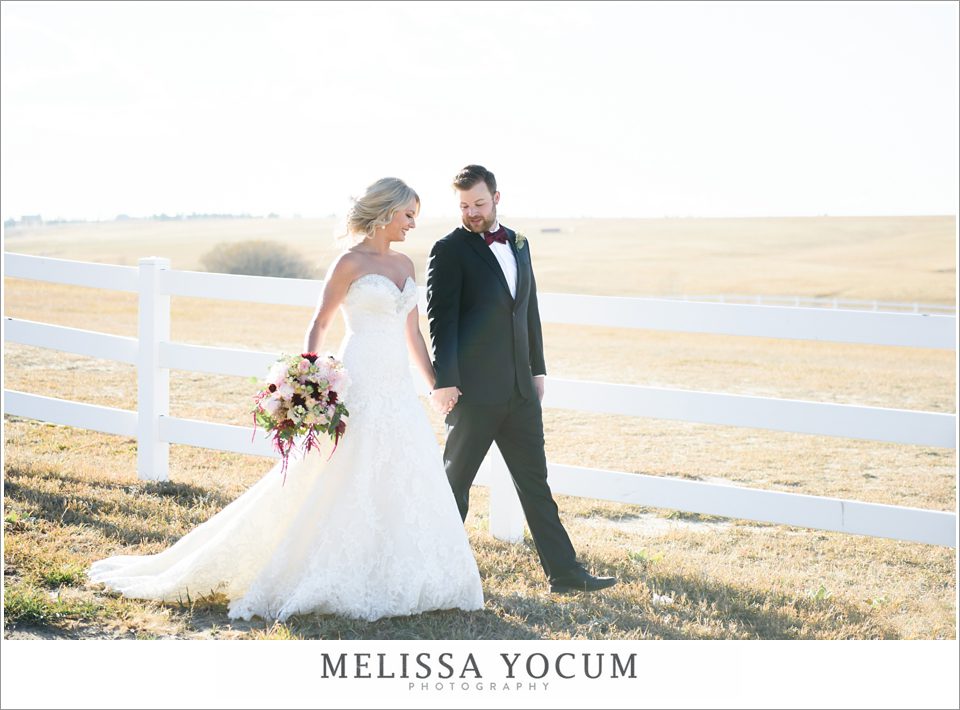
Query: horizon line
[[180, 216]]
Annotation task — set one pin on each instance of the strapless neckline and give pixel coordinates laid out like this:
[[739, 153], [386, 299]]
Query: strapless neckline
[[385, 278]]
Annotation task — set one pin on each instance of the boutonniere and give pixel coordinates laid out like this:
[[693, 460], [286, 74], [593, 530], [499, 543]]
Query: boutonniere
[[521, 240]]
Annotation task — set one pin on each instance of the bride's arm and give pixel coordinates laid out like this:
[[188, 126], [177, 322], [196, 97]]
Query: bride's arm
[[416, 345], [338, 279], [418, 348]]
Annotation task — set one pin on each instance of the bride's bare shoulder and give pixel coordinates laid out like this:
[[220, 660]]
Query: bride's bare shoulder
[[407, 264], [347, 265]]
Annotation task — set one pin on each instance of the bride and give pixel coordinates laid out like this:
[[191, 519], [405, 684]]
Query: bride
[[372, 532]]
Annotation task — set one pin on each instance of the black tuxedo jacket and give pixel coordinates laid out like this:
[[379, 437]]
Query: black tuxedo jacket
[[484, 341]]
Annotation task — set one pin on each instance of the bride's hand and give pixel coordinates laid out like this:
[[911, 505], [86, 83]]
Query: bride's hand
[[445, 399]]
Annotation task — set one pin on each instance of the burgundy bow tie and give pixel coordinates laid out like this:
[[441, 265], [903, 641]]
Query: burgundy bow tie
[[499, 236]]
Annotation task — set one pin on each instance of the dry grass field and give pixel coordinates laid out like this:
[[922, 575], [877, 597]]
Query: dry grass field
[[72, 496], [893, 258]]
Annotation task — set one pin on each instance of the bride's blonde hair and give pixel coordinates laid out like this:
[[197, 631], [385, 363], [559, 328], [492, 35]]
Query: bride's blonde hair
[[375, 208]]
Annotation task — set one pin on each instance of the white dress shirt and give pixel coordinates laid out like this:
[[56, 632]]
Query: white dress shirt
[[508, 262]]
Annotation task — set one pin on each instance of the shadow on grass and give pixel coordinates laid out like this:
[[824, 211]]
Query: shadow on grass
[[33, 632], [653, 603], [650, 602], [702, 609], [434, 625], [130, 501]]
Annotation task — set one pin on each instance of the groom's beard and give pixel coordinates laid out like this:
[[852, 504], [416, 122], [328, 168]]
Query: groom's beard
[[482, 226]]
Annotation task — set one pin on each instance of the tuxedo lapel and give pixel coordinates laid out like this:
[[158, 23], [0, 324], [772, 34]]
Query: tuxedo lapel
[[521, 270], [483, 251]]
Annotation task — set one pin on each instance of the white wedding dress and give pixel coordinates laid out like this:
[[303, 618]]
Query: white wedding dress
[[372, 532]]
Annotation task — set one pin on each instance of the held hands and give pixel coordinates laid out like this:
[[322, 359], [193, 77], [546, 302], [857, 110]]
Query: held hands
[[445, 399]]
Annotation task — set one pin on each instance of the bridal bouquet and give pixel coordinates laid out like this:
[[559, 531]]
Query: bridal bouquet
[[303, 395]]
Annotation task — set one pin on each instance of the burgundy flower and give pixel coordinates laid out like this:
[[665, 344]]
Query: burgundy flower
[[312, 357], [332, 397], [272, 387], [298, 400]]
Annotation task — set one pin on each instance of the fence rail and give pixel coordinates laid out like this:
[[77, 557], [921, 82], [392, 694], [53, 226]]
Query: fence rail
[[820, 302], [72, 273], [109, 420], [761, 505], [155, 355], [789, 323], [902, 426]]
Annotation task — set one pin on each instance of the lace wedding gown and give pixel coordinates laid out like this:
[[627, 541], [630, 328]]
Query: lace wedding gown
[[373, 532]]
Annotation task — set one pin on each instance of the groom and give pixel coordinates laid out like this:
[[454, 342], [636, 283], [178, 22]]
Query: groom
[[488, 356]]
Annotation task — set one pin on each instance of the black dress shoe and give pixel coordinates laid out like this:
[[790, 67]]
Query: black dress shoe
[[579, 580]]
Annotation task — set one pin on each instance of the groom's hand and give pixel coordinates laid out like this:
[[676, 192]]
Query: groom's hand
[[538, 385], [445, 399]]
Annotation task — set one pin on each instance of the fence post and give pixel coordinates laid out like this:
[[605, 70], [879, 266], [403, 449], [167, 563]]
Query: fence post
[[153, 381], [506, 513]]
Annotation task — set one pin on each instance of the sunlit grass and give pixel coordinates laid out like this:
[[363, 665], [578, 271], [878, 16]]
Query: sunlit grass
[[686, 577], [72, 496]]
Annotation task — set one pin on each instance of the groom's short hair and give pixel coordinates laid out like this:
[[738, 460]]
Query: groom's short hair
[[471, 175]]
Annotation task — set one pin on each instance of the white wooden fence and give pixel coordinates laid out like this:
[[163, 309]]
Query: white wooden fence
[[155, 354]]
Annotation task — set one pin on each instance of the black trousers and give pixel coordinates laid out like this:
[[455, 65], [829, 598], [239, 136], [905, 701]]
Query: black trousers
[[517, 428]]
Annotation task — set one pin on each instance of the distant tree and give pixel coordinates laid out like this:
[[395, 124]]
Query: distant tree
[[258, 258]]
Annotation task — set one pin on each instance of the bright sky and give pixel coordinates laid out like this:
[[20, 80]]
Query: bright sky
[[581, 109]]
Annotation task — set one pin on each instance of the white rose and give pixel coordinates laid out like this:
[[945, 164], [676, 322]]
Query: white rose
[[278, 373]]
